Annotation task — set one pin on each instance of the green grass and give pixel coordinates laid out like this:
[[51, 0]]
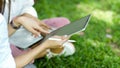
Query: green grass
[[93, 48]]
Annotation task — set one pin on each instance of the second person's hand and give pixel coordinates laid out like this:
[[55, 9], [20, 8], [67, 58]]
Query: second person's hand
[[55, 43]]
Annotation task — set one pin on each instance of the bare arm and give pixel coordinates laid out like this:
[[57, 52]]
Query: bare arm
[[26, 58], [10, 30]]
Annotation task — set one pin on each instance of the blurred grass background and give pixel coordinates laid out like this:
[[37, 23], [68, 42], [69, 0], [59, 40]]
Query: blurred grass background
[[99, 45]]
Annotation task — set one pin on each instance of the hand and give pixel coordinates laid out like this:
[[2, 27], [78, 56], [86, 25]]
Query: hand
[[32, 24], [55, 44]]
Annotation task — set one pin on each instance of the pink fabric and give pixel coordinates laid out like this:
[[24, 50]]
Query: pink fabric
[[56, 22], [16, 51], [52, 22]]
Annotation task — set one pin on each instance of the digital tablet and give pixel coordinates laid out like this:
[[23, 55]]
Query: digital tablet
[[23, 38], [71, 28]]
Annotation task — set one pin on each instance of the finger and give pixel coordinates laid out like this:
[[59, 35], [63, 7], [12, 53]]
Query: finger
[[34, 32], [40, 29], [61, 42], [44, 25], [44, 28], [65, 37], [56, 36], [60, 38]]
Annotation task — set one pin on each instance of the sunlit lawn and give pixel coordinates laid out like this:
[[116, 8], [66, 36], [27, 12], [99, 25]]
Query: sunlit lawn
[[98, 45]]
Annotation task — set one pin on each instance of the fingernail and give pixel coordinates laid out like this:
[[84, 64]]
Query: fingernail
[[33, 36], [39, 35]]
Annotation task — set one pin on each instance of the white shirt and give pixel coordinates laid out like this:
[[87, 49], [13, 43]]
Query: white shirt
[[6, 59], [18, 7]]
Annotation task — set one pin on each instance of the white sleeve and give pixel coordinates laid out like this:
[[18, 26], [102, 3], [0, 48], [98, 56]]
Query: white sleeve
[[28, 8], [5, 51]]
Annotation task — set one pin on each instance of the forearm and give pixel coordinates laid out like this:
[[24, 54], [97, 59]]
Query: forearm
[[26, 58], [10, 30], [14, 25]]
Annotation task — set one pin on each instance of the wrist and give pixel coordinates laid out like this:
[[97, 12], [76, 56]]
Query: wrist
[[17, 20], [14, 24]]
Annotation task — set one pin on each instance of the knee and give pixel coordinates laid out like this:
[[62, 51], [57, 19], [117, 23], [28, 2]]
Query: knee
[[65, 20], [62, 21]]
